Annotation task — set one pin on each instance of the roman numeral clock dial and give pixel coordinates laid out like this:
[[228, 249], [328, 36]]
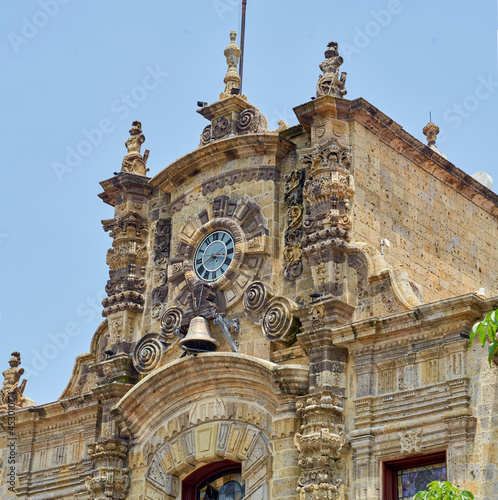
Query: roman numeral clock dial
[[214, 255]]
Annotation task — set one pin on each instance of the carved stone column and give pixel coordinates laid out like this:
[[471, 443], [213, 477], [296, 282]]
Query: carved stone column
[[128, 257], [111, 477], [322, 437], [319, 445]]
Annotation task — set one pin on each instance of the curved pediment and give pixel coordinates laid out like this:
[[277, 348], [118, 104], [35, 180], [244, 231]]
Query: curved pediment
[[159, 396], [211, 155]]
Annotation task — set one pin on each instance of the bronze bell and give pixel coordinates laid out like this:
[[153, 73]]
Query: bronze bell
[[199, 338]]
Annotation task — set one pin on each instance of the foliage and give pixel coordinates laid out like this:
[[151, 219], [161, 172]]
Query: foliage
[[443, 490], [486, 330]]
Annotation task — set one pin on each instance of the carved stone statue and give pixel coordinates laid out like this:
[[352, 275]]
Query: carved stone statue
[[329, 83], [133, 161], [11, 393], [134, 143]]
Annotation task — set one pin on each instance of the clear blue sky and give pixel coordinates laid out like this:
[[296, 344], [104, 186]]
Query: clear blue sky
[[71, 67]]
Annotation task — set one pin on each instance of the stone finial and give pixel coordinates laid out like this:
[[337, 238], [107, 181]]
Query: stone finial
[[232, 78], [133, 161], [431, 130], [329, 83]]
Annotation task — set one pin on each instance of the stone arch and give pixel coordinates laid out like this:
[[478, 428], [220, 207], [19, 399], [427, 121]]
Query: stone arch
[[199, 410]]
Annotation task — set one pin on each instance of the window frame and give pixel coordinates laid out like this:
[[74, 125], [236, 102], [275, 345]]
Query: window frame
[[391, 467], [191, 482]]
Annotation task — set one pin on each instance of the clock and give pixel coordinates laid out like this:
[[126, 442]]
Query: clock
[[213, 255]]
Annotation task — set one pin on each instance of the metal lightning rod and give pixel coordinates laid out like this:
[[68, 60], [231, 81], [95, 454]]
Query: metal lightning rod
[[242, 36]]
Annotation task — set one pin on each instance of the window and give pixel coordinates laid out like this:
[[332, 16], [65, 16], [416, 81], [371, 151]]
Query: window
[[215, 481], [404, 477]]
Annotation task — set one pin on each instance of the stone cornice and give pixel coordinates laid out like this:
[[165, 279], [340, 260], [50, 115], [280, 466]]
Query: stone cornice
[[124, 181], [207, 157], [422, 321], [393, 134]]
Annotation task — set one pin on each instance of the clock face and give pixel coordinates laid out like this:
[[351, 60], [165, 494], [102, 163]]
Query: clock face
[[214, 255]]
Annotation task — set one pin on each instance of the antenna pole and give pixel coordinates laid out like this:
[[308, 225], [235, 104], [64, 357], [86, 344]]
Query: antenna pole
[[242, 37]]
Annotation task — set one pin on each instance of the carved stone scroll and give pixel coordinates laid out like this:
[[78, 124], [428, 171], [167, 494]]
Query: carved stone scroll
[[279, 323], [149, 352]]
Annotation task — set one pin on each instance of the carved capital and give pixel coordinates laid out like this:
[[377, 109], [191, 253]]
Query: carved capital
[[111, 478]]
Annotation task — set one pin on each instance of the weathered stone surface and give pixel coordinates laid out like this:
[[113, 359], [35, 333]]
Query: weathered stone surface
[[350, 351]]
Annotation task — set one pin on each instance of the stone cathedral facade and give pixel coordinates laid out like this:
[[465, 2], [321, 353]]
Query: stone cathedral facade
[[285, 319]]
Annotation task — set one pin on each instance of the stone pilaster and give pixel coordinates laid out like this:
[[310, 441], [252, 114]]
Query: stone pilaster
[[128, 257], [111, 477]]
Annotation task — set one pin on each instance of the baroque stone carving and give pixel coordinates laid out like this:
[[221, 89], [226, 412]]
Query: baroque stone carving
[[127, 260], [329, 83], [256, 299], [319, 443], [231, 178], [279, 323], [232, 78], [111, 479], [293, 197], [410, 441], [328, 192], [149, 352], [133, 161], [251, 121], [206, 136], [11, 394], [162, 241], [171, 320], [221, 127]]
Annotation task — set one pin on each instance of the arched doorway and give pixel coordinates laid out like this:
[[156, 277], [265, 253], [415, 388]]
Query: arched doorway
[[215, 481]]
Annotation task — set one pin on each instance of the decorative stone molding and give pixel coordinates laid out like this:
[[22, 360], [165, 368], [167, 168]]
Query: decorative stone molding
[[111, 478], [410, 441], [231, 178], [319, 443], [293, 197], [329, 82], [162, 241], [168, 484]]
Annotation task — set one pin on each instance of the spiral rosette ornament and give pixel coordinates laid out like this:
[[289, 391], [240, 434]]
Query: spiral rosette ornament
[[149, 352], [171, 321], [206, 136], [248, 121], [279, 323], [256, 298]]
